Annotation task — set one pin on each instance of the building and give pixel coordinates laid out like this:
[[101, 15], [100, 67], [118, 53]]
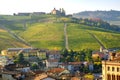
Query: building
[[10, 75], [111, 68], [57, 73], [60, 12], [38, 13], [99, 55], [53, 58], [4, 60], [23, 14], [27, 52]]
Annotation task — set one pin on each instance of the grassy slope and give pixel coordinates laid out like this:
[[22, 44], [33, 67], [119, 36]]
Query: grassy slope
[[50, 35], [110, 40], [6, 41], [79, 38], [46, 34], [10, 17]]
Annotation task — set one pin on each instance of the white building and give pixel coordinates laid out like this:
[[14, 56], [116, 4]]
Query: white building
[[4, 60], [53, 58]]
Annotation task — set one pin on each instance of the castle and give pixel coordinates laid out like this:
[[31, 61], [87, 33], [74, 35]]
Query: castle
[[60, 12]]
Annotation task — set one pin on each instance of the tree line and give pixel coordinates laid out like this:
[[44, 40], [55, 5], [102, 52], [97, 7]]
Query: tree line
[[97, 23]]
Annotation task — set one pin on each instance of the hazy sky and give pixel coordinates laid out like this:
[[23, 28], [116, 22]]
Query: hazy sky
[[71, 6]]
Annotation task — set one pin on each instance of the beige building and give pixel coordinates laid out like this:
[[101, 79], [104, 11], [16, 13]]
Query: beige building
[[27, 52], [111, 68], [60, 12]]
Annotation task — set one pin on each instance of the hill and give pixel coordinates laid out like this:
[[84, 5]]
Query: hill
[[47, 31], [8, 41], [105, 15], [112, 16]]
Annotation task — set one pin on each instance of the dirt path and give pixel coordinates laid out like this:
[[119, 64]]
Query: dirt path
[[100, 43], [66, 36]]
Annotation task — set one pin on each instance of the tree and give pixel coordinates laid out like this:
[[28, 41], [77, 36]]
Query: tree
[[34, 66], [65, 53], [88, 56], [20, 59]]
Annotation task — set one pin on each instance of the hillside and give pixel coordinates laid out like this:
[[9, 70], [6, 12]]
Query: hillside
[[7, 40], [112, 16], [47, 31], [105, 15]]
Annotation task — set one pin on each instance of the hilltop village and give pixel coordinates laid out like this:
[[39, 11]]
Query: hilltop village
[[45, 64]]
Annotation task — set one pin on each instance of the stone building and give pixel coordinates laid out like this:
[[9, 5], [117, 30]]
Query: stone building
[[60, 12], [111, 68]]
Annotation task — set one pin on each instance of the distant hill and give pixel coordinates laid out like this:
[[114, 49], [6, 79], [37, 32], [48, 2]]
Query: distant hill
[[47, 31], [111, 15]]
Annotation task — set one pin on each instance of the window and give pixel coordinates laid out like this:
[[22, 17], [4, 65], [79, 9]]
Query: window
[[108, 77], [113, 77], [108, 68], [118, 69], [113, 69], [118, 77]]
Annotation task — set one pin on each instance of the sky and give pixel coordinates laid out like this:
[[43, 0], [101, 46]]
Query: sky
[[70, 6]]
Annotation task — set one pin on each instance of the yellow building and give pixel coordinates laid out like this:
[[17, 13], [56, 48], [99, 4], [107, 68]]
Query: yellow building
[[27, 52], [111, 68]]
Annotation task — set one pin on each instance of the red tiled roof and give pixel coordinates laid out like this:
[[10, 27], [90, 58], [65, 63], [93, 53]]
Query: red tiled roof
[[38, 72], [75, 63], [101, 55], [56, 70], [75, 78]]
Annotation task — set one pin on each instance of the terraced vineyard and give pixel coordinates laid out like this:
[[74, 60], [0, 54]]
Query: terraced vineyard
[[48, 32], [7, 41]]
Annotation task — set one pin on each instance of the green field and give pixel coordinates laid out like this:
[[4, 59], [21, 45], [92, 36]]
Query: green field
[[51, 35], [79, 38], [45, 35], [47, 31], [7, 41]]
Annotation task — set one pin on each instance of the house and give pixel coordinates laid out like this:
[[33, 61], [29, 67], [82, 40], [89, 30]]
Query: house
[[53, 58], [74, 66], [100, 55], [37, 75], [111, 67], [10, 75], [17, 67], [57, 72], [4, 60]]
